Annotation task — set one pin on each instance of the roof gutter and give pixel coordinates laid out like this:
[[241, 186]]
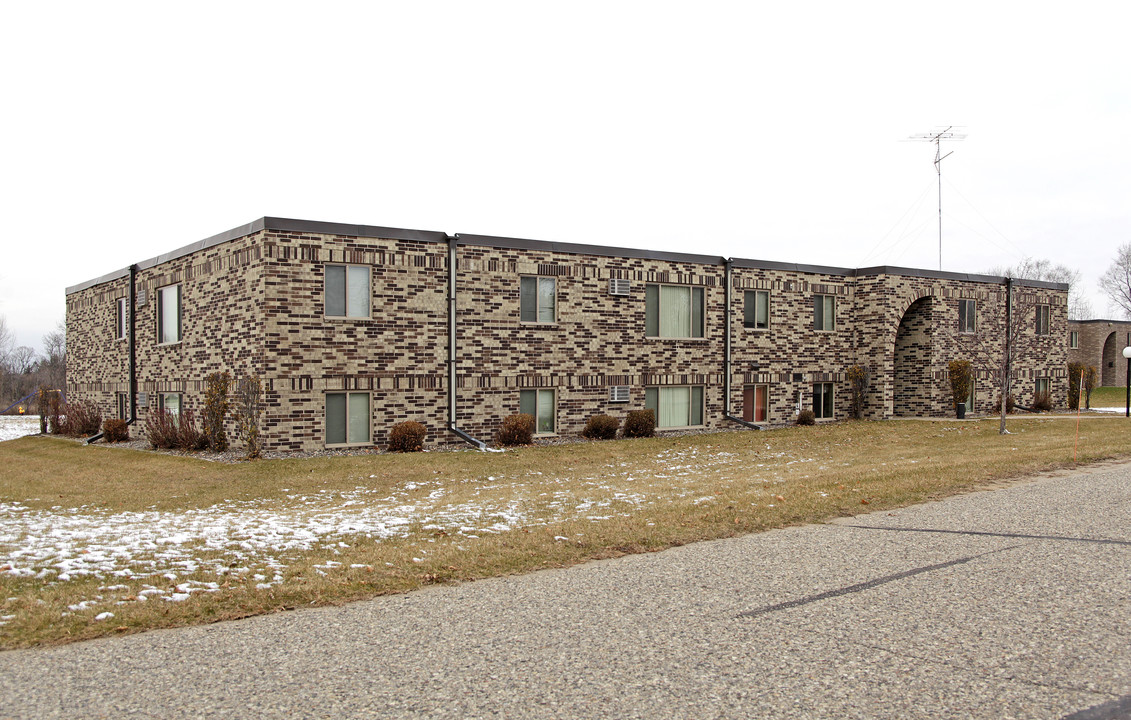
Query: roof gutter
[[453, 241]]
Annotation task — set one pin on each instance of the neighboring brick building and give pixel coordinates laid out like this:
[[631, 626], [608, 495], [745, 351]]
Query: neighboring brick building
[[351, 326], [1100, 343]]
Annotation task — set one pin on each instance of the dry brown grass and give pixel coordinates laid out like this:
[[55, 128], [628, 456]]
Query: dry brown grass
[[574, 503]]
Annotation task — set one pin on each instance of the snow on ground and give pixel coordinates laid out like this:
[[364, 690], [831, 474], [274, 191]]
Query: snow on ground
[[15, 426]]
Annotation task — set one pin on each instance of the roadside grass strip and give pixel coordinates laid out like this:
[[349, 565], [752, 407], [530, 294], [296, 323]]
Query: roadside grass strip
[[125, 541]]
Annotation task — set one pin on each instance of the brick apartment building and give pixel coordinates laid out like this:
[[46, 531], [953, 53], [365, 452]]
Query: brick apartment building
[[1100, 343], [355, 328]]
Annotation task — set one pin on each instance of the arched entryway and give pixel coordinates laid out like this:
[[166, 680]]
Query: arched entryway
[[911, 387], [1113, 355]]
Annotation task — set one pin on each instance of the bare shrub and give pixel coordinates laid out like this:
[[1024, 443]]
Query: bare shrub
[[858, 385], [115, 430], [79, 419], [249, 407], [161, 428], [806, 417], [407, 436], [516, 430], [1042, 402], [215, 410]]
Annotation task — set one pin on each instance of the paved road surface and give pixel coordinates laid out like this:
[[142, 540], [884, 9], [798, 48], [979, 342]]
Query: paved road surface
[[1006, 604]]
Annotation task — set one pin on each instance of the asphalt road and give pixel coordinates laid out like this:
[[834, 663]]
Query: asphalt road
[[1013, 603]]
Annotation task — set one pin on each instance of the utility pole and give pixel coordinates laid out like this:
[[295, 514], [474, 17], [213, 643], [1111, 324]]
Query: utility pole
[[937, 137]]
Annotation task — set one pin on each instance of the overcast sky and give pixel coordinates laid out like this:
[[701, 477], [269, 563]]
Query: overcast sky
[[762, 130]]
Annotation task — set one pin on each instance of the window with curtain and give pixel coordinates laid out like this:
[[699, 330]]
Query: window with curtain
[[966, 313], [824, 312], [756, 310], [673, 311], [540, 404], [675, 406], [169, 314]]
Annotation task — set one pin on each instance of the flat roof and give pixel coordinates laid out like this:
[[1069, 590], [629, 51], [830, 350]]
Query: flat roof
[[376, 231]]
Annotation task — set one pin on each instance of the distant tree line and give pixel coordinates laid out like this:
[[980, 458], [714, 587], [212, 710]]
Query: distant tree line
[[23, 370]]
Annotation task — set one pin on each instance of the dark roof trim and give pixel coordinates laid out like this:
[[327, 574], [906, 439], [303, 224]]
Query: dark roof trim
[[576, 249], [375, 231]]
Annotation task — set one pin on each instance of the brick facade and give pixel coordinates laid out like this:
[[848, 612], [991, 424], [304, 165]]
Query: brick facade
[[1100, 345], [253, 299]]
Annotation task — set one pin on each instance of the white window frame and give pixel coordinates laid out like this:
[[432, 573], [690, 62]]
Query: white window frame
[[827, 312], [755, 325], [1073, 340], [540, 317], [654, 293], [968, 311], [163, 402], [350, 397], [163, 294], [828, 390], [539, 396], [121, 319], [346, 315], [654, 394]]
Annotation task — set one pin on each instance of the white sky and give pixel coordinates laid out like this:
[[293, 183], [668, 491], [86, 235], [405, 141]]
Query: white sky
[[761, 130]]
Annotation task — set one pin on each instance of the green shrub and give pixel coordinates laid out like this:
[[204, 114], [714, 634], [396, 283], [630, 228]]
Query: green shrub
[[215, 410], [806, 417], [601, 427], [516, 430], [1075, 371], [115, 430], [1089, 376], [407, 436], [640, 423]]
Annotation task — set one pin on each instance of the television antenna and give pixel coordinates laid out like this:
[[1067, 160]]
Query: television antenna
[[937, 137]]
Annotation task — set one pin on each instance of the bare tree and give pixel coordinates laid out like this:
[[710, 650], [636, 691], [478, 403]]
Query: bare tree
[[1116, 281], [53, 368], [1079, 307]]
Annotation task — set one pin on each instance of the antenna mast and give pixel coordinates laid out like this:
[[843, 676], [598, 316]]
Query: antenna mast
[[937, 137]]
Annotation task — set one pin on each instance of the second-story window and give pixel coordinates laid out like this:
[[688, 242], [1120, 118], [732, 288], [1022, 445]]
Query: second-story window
[[1074, 340], [169, 314], [538, 302], [673, 311], [824, 312], [347, 291], [966, 313], [1043, 319], [756, 310], [121, 319]]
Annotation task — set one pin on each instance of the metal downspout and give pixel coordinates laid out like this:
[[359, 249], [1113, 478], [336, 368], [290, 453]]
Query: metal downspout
[[131, 337], [727, 351], [453, 241]]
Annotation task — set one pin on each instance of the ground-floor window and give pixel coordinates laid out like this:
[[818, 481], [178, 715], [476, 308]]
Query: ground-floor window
[[755, 403], [1042, 386], [347, 418], [124, 406], [675, 406], [170, 403], [823, 400], [539, 404], [970, 398]]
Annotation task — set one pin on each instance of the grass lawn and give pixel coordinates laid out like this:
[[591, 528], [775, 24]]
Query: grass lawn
[[1109, 397], [97, 540]]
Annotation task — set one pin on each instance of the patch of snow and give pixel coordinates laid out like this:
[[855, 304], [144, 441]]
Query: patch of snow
[[17, 426]]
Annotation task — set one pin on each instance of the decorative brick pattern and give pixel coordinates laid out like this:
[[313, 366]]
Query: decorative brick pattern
[[255, 301]]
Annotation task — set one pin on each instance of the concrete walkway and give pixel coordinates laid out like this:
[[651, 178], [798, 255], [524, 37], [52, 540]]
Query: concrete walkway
[[1014, 603]]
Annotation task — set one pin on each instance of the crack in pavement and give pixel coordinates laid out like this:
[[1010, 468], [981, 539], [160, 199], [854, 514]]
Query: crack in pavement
[[867, 585]]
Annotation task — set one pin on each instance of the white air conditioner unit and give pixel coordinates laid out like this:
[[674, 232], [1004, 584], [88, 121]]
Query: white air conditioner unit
[[620, 286], [618, 393]]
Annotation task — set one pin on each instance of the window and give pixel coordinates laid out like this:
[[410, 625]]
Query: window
[[537, 299], [756, 313], [347, 291], [970, 398], [755, 403], [1042, 386], [347, 418], [966, 311], [540, 404], [824, 312], [169, 314], [1042, 319], [675, 406], [123, 406], [120, 319], [823, 400], [170, 403], [1074, 340], [674, 311]]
